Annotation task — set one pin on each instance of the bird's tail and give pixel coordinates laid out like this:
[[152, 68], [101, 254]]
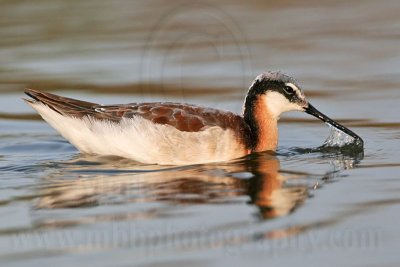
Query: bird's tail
[[62, 105]]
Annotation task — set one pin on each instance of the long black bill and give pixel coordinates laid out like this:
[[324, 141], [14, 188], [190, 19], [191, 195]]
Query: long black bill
[[313, 111]]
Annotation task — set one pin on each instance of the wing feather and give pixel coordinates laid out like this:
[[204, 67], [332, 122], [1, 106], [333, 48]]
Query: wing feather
[[184, 117]]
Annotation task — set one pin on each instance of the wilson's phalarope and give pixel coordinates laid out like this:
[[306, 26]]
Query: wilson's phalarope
[[178, 134]]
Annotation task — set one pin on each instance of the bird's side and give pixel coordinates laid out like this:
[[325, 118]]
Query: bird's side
[[178, 134], [162, 133]]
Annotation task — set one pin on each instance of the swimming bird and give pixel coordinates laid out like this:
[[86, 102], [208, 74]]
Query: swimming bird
[[178, 134]]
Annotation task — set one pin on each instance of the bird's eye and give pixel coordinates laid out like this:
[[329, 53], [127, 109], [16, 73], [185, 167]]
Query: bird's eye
[[288, 90]]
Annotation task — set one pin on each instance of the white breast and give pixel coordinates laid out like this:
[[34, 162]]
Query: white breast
[[144, 141]]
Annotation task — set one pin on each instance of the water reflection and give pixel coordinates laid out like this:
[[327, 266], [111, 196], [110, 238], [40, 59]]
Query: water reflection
[[111, 181], [268, 189]]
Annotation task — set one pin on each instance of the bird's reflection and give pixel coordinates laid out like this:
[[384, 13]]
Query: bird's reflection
[[94, 181], [268, 189]]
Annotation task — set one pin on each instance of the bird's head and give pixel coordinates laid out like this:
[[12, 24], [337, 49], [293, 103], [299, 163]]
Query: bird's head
[[281, 93]]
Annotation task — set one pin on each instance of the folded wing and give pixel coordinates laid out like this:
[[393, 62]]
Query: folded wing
[[184, 117]]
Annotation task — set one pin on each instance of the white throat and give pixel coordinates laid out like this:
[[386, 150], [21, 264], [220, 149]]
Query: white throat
[[277, 104]]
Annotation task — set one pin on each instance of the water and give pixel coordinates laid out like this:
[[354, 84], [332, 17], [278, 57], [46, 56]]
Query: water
[[338, 139], [305, 206]]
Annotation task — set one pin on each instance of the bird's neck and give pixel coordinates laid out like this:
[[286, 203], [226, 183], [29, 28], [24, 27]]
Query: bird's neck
[[262, 123]]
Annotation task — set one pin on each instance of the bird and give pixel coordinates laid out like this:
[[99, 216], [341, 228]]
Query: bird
[[168, 133]]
